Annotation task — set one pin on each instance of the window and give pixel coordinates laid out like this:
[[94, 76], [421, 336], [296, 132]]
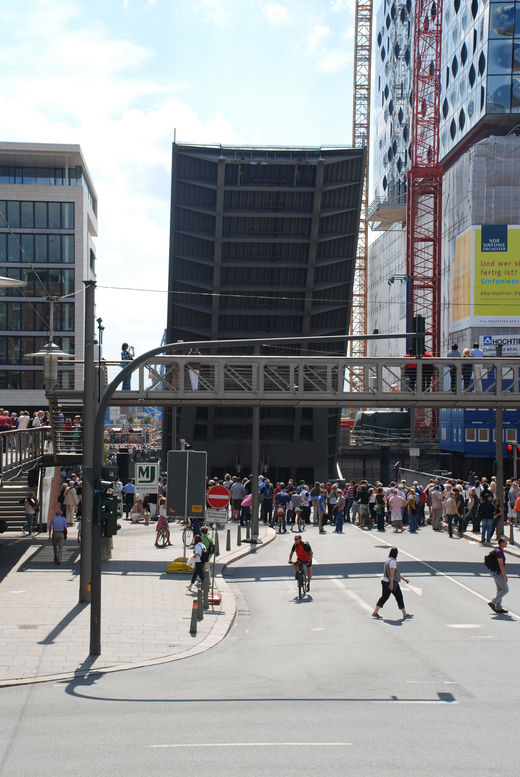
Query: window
[[54, 209], [54, 248], [67, 215], [13, 214], [500, 55], [502, 20], [40, 248], [471, 435], [27, 215], [511, 435], [499, 94], [483, 435], [13, 248], [40, 215], [67, 249]]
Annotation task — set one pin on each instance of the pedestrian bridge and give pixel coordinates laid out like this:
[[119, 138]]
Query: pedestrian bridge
[[280, 381], [311, 381]]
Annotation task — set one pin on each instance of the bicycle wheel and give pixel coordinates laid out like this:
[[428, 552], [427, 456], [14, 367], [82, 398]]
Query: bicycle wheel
[[301, 584], [162, 539], [187, 536]]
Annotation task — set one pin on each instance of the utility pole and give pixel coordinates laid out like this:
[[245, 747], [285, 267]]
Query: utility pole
[[89, 414]]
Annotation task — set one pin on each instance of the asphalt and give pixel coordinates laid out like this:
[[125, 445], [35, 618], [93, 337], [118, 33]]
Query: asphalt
[[146, 611]]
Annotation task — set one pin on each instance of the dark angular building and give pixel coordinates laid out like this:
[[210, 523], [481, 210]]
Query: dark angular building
[[263, 243]]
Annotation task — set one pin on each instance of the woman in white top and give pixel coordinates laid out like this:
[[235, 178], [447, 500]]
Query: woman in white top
[[198, 550], [390, 585]]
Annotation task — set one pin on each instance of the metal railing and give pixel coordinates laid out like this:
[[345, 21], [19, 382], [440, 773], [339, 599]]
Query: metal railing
[[326, 381], [21, 448]]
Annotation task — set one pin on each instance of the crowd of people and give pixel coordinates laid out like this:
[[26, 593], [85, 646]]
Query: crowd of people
[[452, 503]]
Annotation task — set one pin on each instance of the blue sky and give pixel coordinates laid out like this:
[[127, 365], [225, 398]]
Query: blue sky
[[117, 76]]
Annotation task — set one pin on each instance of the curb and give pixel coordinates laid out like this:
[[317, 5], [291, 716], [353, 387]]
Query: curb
[[207, 643]]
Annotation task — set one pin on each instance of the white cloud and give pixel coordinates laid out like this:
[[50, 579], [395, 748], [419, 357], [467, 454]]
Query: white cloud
[[214, 10], [275, 13], [335, 61], [342, 5], [66, 80], [318, 33]]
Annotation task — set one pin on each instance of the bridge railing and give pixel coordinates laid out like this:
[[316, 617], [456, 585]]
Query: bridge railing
[[307, 377], [22, 447]]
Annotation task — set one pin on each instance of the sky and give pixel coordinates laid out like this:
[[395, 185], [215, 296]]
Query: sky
[[119, 77]]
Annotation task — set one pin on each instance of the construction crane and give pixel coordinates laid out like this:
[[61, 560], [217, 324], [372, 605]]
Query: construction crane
[[360, 139], [424, 195]]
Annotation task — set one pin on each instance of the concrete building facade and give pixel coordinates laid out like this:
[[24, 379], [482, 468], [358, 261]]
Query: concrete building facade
[[48, 222]]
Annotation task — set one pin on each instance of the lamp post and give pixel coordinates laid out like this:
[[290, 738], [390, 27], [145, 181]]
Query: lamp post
[[50, 352]]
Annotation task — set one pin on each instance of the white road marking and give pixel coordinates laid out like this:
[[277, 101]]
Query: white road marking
[[414, 588], [464, 625], [443, 574], [257, 744], [17, 592], [319, 628], [355, 598]]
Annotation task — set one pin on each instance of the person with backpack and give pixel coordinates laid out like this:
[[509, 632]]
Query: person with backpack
[[495, 562], [209, 546], [198, 551]]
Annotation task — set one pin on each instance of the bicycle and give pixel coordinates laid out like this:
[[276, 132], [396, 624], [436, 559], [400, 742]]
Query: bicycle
[[300, 521], [161, 540], [187, 534], [280, 519], [301, 579]]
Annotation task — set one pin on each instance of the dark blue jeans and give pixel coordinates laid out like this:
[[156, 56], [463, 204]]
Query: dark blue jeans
[[413, 522], [339, 521]]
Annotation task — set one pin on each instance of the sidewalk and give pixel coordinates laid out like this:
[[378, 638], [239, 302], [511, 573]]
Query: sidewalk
[[146, 612]]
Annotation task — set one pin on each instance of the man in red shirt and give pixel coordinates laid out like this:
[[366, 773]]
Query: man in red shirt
[[304, 554]]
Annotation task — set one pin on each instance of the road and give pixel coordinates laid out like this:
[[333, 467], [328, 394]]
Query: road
[[304, 687]]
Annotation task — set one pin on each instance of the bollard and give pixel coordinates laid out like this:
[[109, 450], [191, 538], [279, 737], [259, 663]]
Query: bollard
[[200, 609], [239, 535], [205, 591], [194, 618], [217, 544], [248, 530], [228, 540]]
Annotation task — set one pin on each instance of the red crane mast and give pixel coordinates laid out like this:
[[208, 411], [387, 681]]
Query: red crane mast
[[424, 196]]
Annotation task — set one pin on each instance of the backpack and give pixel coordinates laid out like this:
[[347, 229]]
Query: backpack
[[207, 552], [491, 561]]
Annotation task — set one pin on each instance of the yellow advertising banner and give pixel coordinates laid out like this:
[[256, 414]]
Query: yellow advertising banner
[[484, 285], [497, 275]]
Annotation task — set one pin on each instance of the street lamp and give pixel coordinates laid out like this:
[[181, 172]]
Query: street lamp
[[10, 283], [50, 352]]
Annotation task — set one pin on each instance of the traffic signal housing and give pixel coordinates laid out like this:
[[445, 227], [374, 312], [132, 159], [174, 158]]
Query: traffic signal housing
[[510, 449], [106, 508], [418, 343]]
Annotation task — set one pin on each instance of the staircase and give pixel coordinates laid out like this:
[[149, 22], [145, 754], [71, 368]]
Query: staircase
[[12, 497], [67, 443]]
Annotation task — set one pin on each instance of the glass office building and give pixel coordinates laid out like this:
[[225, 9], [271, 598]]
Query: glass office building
[[480, 82], [48, 219]]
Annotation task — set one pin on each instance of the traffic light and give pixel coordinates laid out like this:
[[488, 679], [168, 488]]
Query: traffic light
[[418, 343], [510, 449], [106, 508]]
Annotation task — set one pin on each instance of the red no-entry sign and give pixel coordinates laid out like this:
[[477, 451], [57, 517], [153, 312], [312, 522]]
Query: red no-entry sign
[[217, 496]]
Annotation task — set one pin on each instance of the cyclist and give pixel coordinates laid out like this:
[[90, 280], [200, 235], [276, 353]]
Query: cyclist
[[162, 525], [281, 502], [304, 554]]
